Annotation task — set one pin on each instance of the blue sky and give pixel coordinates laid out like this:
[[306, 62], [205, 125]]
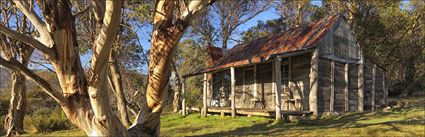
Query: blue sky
[[264, 16], [269, 14], [144, 32]]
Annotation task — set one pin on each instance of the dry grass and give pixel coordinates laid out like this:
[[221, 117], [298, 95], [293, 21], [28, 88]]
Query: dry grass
[[406, 121]]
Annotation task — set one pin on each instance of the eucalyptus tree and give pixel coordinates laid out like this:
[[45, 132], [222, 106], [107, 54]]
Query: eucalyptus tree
[[83, 96], [17, 52], [234, 13], [170, 20], [389, 32]]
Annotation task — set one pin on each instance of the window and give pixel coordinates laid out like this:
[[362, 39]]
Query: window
[[284, 69], [285, 75]]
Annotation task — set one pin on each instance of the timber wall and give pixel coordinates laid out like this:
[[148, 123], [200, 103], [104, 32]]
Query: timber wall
[[299, 85], [324, 91]]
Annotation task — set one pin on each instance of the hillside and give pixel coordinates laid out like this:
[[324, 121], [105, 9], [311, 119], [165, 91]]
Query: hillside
[[406, 120]]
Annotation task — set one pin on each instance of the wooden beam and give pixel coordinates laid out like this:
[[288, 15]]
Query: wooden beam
[[300, 52], [340, 59], [209, 87], [290, 71], [313, 83], [360, 83], [255, 83], [222, 88], [332, 98], [233, 88], [183, 97], [277, 88], [373, 87], [346, 87], [384, 88], [204, 96]]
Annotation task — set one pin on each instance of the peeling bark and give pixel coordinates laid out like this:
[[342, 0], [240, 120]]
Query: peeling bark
[[168, 29], [14, 121], [85, 100], [116, 83], [177, 91]]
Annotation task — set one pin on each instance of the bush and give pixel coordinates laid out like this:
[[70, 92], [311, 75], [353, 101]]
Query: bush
[[46, 120], [1, 127]]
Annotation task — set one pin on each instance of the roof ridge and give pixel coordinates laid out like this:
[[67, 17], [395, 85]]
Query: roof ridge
[[291, 40], [325, 21]]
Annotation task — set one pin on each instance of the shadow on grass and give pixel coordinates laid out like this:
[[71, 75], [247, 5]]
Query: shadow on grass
[[350, 120]]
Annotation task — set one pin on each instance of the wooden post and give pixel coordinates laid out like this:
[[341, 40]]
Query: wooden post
[[290, 71], [346, 92], [313, 83], [222, 94], [277, 88], [360, 84], [373, 87], [332, 98], [183, 98], [384, 88], [255, 83], [233, 88], [204, 97]]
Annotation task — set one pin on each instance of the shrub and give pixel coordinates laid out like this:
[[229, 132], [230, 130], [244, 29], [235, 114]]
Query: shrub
[[46, 120], [1, 127]]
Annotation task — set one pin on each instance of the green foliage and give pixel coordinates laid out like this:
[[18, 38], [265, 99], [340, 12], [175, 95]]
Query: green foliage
[[264, 29], [190, 58], [47, 120], [4, 102], [1, 127]]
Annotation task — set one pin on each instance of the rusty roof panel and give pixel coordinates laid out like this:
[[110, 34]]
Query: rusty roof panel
[[289, 41]]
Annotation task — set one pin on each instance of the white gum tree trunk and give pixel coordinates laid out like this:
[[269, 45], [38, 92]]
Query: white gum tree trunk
[[84, 97]]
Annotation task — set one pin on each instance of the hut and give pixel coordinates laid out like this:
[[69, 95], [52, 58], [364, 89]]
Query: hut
[[318, 68]]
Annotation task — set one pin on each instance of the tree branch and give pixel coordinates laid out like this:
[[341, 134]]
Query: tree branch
[[85, 10], [36, 21], [103, 44], [98, 9], [27, 40], [56, 95], [193, 7]]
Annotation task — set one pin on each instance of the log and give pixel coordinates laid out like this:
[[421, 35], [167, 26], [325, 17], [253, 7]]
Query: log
[[204, 96], [183, 97], [332, 98], [233, 86], [277, 88], [346, 92], [373, 87], [360, 89], [255, 83], [384, 88], [313, 83]]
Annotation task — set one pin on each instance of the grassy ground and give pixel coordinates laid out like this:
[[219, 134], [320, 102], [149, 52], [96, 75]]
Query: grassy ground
[[405, 121]]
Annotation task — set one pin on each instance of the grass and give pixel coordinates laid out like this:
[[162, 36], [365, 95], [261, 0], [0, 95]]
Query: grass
[[406, 121], [73, 133]]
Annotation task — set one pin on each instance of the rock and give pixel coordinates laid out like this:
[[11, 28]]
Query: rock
[[386, 109]]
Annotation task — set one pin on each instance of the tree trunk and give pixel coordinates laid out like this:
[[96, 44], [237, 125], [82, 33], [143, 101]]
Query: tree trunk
[[161, 53], [18, 102], [177, 92], [225, 40], [165, 37], [409, 76], [116, 83], [87, 103]]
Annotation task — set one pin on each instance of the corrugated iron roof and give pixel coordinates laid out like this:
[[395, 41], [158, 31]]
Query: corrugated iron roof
[[289, 41]]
